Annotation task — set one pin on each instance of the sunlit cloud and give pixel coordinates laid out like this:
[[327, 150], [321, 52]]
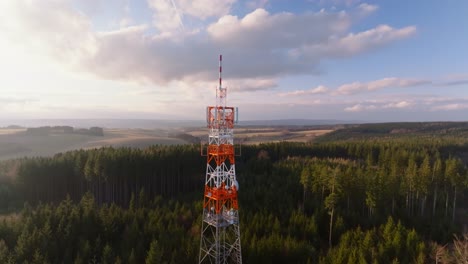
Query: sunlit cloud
[[421, 103], [450, 107], [358, 87], [360, 108], [402, 104], [352, 44], [317, 90], [361, 87], [368, 8]]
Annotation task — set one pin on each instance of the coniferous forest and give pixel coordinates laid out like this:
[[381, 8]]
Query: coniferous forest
[[380, 198]]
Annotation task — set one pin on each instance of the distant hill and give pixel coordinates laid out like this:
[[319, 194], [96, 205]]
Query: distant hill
[[379, 130], [295, 122], [105, 123], [157, 124], [46, 130]]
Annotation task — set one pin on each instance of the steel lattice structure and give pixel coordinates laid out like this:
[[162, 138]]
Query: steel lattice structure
[[220, 234]]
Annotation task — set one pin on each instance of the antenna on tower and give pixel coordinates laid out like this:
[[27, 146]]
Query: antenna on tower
[[220, 71], [221, 92]]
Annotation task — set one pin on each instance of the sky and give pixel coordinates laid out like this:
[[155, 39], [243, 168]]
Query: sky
[[368, 61]]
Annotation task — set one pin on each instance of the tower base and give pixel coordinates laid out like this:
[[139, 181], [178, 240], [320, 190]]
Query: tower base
[[220, 238]]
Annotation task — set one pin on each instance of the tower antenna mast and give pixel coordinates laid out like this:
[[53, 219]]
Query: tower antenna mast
[[220, 234]]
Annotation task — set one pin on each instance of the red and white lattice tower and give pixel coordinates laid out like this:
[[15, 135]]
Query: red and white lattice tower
[[220, 235]]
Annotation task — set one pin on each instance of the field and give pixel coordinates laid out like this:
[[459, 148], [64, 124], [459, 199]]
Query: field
[[257, 135], [15, 143]]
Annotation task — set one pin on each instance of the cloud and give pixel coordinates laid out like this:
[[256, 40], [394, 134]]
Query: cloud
[[262, 30], [352, 44], [386, 83], [337, 2], [357, 87], [51, 27], [367, 8], [402, 104], [450, 107], [251, 85], [453, 80], [166, 17], [11, 100], [317, 90], [15, 104], [256, 46], [360, 108], [168, 14], [254, 4], [373, 105], [445, 103], [421, 103], [205, 8], [453, 83]]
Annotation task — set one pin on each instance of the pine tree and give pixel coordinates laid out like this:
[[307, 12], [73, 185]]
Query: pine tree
[[154, 254], [132, 258], [107, 255]]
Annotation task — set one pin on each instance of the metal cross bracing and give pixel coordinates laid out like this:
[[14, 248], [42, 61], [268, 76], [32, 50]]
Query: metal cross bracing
[[220, 234]]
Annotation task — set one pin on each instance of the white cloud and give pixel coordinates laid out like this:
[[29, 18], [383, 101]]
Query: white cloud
[[205, 8], [351, 44], [360, 108], [126, 22], [357, 87], [14, 100], [51, 27], [420, 103], [370, 105], [368, 8], [251, 85], [169, 14], [383, 34], [444, 103], [402, 104], [260, 29], [167, 18], [317, 90], [450, 107]]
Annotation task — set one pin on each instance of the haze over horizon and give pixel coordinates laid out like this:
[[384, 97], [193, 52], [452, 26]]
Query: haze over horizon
[[158, 59]]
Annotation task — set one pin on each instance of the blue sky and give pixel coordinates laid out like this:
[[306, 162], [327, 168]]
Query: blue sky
[[157, 59]]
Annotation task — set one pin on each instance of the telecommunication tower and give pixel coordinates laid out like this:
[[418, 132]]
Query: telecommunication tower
[[220, 234]]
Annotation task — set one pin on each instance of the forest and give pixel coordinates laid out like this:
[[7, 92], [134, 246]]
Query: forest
[[382, 194]]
